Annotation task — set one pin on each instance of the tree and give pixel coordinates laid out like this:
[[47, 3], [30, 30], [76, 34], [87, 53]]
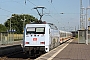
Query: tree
[[2, 28], [17, 23]]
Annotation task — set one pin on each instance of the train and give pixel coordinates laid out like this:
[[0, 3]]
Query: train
[[64, 36], [41, 38]]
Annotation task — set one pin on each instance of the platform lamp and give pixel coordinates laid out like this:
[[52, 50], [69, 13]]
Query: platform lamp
[[10, 28]]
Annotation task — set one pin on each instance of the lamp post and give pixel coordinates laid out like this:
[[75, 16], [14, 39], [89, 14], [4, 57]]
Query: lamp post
[[23, 22], [10, 25], [10, 22], [10, 28]]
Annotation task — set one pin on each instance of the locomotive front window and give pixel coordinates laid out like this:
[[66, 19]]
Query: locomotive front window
[[40, 30], [35, 30], [30, 30]]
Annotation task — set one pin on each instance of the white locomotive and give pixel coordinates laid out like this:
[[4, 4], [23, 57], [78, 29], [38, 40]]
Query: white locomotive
[[39, 38]]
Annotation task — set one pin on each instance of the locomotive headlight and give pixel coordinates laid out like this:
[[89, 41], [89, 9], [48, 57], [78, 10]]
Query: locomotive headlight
[[26, 42], [42, 42]]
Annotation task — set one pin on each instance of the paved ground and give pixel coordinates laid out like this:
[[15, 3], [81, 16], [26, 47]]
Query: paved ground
[[74, 51]]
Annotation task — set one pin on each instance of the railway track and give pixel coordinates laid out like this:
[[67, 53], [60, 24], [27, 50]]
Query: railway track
[[14, 53], [18, 55]]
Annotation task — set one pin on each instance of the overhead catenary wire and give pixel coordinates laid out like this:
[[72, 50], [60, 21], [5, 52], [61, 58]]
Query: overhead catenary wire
[[32, 3], [51, 4], [56, 12], [12, 1], [36, 5], [6, 10], [54, 18]]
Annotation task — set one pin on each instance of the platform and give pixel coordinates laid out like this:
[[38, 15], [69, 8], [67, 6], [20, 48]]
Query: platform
[[11, 44], [70, 50]]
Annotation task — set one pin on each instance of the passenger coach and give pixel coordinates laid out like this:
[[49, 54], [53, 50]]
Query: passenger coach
[[64, 36]]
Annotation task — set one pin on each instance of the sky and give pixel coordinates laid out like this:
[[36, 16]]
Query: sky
[[68, 21]]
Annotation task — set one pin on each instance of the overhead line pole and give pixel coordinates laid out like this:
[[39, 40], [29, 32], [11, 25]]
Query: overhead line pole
[[89, 2], [81, 14]]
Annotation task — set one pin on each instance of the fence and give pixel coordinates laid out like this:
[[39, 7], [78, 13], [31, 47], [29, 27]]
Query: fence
[[9, 38]]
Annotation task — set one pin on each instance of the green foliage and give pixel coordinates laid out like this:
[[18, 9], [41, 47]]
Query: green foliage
[[2, 28], [77, 36], [17, 23]]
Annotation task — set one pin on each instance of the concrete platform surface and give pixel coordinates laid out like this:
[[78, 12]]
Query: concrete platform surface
[[70, 50], [74, 51]]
